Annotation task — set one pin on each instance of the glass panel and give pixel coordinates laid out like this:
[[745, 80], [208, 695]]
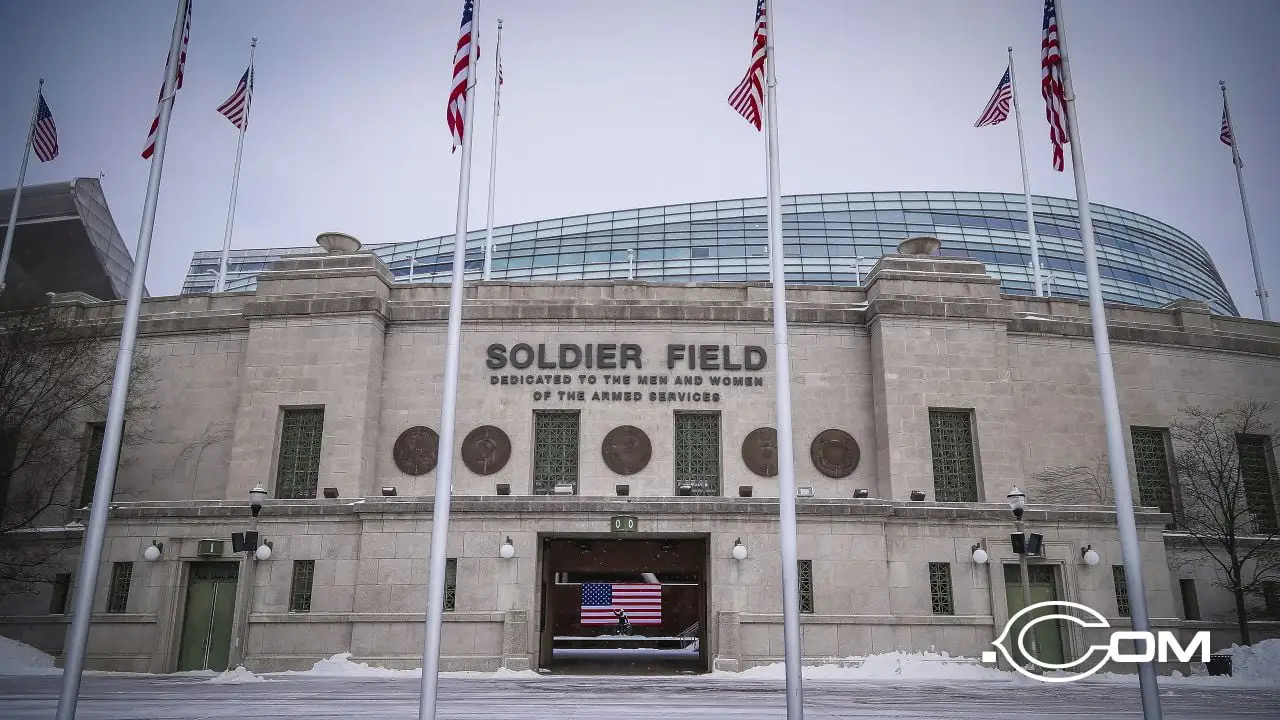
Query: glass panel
[[555, 450], [955, 472], [298, 472], [697, 448], [304, 572], [940, 589]]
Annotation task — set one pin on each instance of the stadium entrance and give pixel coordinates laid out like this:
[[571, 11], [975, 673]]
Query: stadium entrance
[[623, 605]]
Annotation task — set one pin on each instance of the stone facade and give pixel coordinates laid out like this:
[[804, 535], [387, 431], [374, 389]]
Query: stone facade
[[334, 332]]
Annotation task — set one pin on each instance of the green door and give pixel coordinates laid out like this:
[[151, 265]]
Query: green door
[[1047, 635], [206, 624]]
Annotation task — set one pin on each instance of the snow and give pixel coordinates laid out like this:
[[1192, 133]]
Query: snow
[[1257, 663], [239, 676], [21, 659], [341, 666], [885, 666]]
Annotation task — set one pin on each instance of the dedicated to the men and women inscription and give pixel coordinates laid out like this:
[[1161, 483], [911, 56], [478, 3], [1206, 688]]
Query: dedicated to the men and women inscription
[[616, 372]]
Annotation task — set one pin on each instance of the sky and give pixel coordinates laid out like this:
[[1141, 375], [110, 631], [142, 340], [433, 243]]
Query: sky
[[609, 105]]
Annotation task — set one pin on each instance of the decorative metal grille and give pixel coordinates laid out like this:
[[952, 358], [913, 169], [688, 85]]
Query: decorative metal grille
[[61, 590], [940, 589], [1122, 590], [1256, 474], [555, 450], [1151, 460], [806, 586], [955, 470], [450, 583], [304, 573], [299, 468], [121, 579], [97, 434], [697, 448]]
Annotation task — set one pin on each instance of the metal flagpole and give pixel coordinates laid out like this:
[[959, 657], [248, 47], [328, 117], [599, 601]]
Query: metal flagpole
[[493, 151], [1261, 292], [782, 384], [1130, 550], [17, 191], [448, 418], [78, 634], [221, 283], [1026, 183]]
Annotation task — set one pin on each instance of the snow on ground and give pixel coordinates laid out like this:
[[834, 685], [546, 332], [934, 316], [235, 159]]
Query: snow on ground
[[885, 666], [239, 676], [21, 659]]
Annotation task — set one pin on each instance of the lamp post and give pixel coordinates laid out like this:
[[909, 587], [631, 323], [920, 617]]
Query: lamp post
[[1018, 503], [247, 544]]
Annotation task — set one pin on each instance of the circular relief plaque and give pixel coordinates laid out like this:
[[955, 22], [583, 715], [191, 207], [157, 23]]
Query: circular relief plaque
[[835, 453], [486, 450], [415, 451], [760, 451], [626, 450]]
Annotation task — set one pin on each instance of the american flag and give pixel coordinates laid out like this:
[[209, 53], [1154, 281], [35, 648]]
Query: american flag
[[1226, 136], [997, 110], [748, 97], [641, 601], [461, 76], [182, 62], [1051, 87], [45, 136], [236, 107]]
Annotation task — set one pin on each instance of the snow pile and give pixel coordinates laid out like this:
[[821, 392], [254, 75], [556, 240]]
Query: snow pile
[[239, 676], [499, 674], [340, 665], [886, 666], [21, 659], [1257, 663]]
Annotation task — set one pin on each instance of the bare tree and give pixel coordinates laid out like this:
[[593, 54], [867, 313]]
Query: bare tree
[[55, 379], [1228, 504], [1074, 484]]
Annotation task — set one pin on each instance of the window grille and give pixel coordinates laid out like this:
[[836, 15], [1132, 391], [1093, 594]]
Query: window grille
[[697, 451], [940, 589], [450, 583], [1122, 590], [304, 572], [955, 470], [298, 472], [555, 450], [1255, 471], [806, 586], [1151, 461], [121, 579]]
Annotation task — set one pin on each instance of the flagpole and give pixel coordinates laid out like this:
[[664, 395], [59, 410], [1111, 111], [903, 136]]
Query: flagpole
[[1261, 292], [17, 191], [493, 152], [1126, 525], [1026, 183], [221, 283], [448, 417], [90, 558], [782, 387]]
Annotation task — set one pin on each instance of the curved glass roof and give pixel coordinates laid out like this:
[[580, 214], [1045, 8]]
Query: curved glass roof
[[829, 239]]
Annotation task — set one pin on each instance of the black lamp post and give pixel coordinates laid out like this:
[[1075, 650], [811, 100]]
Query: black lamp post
[[246, 543], [1023, 545]]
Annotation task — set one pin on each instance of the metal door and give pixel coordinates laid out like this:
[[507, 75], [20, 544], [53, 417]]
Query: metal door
[[1048, 635], [206, 624]]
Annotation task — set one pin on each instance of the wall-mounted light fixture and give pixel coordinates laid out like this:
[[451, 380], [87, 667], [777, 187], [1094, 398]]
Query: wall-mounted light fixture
[[388, 492], [622, 489], [804, 492], [979, 553], [739, 550], [507, 551], [331, 493], [862, 493], [152, 552], [745, 490], [503, 488], [263, 552], [917, 495], [1089, 555]]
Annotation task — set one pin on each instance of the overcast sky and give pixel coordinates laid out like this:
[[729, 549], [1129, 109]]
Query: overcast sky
[[610, 105]]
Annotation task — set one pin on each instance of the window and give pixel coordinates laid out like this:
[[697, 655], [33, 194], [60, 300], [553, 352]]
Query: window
[[1122, 590], [1151, 461], [298, 473], [304, 573], [940, 589], [450, 583], [8, 456], [806, 586], [1255, 471], [697, 449], [121, 579], [1190, 601], [97, 433], [61, 591], [555, 450], [955, 470]]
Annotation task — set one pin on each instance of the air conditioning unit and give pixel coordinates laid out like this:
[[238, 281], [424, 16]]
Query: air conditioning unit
[[209, 548]]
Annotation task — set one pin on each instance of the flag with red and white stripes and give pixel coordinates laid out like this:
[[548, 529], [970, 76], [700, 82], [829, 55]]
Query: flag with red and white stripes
[[602, 602], [1051, 84], [1226, 137], [236, 107], [182, 61], [997, 109], [456, 110], [748, 97], [44, 136]]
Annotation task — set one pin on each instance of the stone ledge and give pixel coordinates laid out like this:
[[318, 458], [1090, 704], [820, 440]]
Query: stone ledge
[[317, 305], [815, 619], [358, 617]]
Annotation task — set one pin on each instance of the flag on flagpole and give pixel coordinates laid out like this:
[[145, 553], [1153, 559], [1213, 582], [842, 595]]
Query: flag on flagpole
[[456, 109], [236, 107], [642, 603], [45, 137], [997, 109], [748, 97], [1226, 137], [1051, 87], [182, 61]]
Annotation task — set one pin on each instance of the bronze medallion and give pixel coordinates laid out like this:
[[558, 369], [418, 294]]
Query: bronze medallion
[[486, 450], [416, 450], [626, 450], [760, 451], [835, 453]]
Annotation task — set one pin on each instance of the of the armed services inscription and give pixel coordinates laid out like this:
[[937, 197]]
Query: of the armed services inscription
[[616, 372]]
